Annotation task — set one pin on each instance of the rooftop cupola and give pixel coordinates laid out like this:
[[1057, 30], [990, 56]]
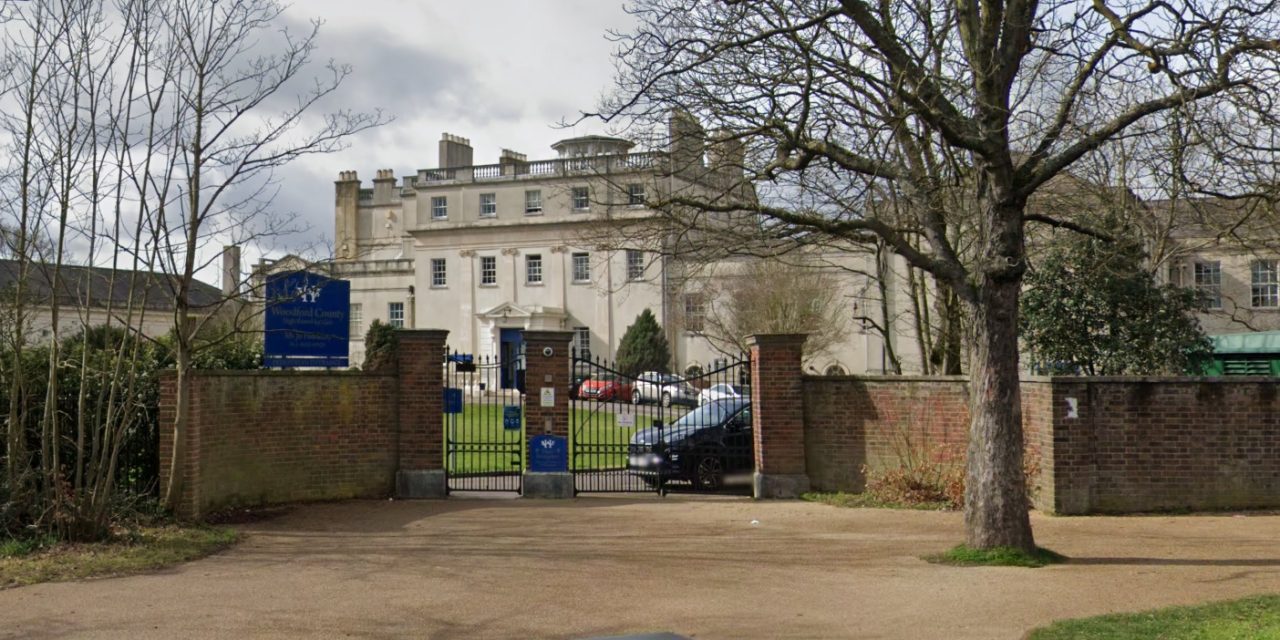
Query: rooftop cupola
[[592, 146]]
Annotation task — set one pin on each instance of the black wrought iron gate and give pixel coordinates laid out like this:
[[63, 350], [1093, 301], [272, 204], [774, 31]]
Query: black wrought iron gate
[[658, 433], [483, 426]]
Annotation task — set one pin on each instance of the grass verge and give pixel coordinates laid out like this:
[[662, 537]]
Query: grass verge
[[998, 557], [23, 563], [868, 501], [1251, 618]]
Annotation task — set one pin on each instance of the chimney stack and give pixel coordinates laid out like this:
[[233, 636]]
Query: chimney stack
[[384, 186], [727, 157], [346, 205], [688, 142], [230, 271], [455, 152]]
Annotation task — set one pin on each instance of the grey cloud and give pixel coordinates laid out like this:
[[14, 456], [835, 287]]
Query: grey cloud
[[405, 80]]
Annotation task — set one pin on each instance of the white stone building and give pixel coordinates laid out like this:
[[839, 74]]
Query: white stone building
[[486, 251]]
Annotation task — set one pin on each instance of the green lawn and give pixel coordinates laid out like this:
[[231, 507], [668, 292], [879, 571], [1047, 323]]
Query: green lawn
[[482, 445], [150, 548], [1256, 618]]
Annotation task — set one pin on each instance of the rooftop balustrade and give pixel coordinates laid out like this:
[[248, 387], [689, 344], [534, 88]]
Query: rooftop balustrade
[[570, 166]]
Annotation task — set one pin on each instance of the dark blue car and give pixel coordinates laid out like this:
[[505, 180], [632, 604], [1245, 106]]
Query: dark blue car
[[701, 447]]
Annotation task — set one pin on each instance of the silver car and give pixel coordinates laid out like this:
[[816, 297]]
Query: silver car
[[663, 388], [723, 391]]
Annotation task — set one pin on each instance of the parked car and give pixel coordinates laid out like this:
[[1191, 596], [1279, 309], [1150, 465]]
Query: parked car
[[581, 373], [722, 391], [663, 388], [701, 447], [606, 389]]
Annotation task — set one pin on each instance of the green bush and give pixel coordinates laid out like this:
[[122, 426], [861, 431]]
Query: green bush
[[119, 374], [380, 344]]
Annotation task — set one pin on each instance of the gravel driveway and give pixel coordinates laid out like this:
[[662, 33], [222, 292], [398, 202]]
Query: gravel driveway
[[527, 570]]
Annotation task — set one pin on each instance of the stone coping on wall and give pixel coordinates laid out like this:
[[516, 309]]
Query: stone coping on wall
[[266, 373], [821, 378], [1161, 379], [1058, 379]]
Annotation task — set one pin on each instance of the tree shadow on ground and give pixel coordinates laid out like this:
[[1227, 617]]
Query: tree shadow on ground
[[1179, 562]]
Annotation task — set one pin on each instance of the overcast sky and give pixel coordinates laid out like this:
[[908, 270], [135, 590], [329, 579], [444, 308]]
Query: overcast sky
[[500, 72]]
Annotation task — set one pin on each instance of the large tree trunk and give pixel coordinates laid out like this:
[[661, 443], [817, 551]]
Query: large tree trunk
[[995, 507]]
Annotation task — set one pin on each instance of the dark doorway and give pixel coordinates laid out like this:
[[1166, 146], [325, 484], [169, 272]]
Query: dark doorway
[[512, 358]]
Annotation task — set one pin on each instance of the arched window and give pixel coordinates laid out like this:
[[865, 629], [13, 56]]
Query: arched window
[[834, 370], [693, 370]]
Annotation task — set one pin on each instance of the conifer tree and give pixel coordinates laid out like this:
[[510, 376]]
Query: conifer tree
[[644, 347]]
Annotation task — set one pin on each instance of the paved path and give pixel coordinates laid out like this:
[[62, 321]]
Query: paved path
[[526, 570]]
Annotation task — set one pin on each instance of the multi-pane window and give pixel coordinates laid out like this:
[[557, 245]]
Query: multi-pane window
[[582, 341], [635, 194], [581, 198], [533, 269], [695, 313], [439, 207], [581, 267], [439, 277], [533, 201], [395, 314], [635, 264], [1209, 282], [488, 205], [356, 319], [1266, 286], [488, 270]]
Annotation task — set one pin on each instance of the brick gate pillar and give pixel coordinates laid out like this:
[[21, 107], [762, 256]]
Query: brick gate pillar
[[547, 366], [420, 473], [777, 411]]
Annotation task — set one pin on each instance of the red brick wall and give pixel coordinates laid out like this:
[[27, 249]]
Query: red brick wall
[[1170, 443], [543, 371], [1136, 444], [421, 399], [1037, 433], [260, 437], [777, 404], [855, 421]]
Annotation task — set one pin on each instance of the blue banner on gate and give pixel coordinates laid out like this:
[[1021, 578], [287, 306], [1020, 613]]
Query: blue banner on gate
[[306, 321], [452, 401], [511, 418], [548, 454]]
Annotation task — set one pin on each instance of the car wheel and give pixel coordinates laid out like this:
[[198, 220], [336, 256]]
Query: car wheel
[[708, 475], [635, 397], [666, 399]]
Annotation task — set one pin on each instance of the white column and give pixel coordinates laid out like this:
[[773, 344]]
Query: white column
[[467, 290]]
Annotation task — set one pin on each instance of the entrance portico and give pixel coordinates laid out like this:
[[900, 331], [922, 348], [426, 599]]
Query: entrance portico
[[501, 335]]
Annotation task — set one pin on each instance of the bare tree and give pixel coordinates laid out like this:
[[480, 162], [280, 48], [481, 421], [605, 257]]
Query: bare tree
[[146, 135], [936, 102], [227, 141], [771, 296]]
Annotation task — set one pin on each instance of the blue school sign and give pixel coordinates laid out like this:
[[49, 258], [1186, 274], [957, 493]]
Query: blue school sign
[[306, 321], [548, 454]]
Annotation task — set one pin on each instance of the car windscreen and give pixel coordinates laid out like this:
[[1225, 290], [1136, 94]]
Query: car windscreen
[[709, 415]]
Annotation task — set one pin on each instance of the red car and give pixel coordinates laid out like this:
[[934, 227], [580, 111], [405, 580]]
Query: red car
[[606, 390]]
